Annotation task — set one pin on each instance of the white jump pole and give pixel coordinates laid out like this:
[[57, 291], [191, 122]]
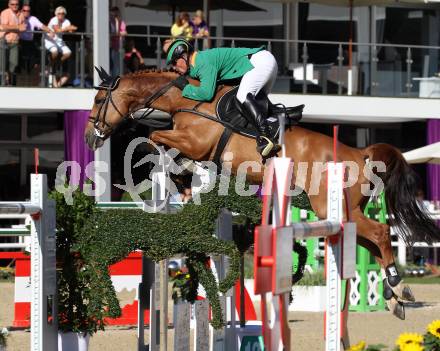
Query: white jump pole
[[44, 326], [272, 245]]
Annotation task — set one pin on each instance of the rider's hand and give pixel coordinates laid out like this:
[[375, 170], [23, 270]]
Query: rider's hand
[[181, 82]]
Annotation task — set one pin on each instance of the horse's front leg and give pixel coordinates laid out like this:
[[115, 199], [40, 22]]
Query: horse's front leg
[[375, 237], [183, 140]]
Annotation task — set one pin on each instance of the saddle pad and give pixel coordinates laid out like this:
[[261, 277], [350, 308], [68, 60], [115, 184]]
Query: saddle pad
[[227, 111]]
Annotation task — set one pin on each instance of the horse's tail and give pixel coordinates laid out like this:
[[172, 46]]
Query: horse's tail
[[405, 213]]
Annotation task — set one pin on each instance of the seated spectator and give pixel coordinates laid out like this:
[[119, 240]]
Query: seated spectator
[[12, 23], [118, 29], [55, 44], [200, 29], [28, 50], [133, 58], [182, 28]]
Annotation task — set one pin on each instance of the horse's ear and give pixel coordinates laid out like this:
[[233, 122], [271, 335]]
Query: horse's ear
[[105, 74], [99, 73]]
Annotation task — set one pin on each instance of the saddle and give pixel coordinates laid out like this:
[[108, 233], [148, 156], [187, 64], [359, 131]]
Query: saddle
[[228, 113]]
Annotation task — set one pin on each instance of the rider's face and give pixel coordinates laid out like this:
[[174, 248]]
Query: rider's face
[[181, 65]]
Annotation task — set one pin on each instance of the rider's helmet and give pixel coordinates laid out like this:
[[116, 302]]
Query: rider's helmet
[[177, 49]]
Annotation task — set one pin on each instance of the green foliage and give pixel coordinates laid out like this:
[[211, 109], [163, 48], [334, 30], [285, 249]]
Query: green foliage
[[90, 240], [248, 266], [302, 201], [111, 235], [431, 342], [146, 195], [312, 279], [74, 290], [184, 287]]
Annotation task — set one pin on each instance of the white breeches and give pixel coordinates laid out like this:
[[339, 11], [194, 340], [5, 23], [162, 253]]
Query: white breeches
[[261, 77]]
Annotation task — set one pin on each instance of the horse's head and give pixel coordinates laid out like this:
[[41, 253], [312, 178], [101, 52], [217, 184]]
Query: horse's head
[[117, 99], [110, 107]]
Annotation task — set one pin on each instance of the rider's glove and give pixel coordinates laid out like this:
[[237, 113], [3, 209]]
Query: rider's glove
[[181, 82]]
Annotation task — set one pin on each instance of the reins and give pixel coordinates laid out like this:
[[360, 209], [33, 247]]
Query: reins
[[113, 84]]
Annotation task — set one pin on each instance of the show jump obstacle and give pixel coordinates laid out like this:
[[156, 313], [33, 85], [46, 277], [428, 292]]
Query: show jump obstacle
[[153, 293], [273, 246], [44, 326]]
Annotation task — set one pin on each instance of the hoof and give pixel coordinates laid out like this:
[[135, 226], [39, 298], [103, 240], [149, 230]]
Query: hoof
[[403, 292], [396, 308]]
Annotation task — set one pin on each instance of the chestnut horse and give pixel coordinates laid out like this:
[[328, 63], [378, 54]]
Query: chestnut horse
[[197, 137]]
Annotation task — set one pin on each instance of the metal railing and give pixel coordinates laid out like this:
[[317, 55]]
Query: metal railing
[[305, 66], [76, 63]]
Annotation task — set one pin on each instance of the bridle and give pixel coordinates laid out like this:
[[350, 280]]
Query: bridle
[[110, 84]]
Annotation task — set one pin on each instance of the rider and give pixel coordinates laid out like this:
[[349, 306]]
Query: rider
[[256, 67]]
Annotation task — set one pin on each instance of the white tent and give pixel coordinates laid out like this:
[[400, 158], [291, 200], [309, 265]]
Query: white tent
[[429, 154]]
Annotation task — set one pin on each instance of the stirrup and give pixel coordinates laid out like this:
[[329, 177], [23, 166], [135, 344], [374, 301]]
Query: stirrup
[[269, 149]]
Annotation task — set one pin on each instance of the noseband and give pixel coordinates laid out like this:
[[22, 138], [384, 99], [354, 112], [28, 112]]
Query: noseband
[[111, 85]]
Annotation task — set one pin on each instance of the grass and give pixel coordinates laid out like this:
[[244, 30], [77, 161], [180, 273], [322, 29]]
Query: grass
[[313, 279]]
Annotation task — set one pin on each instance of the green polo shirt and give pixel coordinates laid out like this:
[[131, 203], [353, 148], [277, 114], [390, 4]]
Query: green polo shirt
[[215, 65]]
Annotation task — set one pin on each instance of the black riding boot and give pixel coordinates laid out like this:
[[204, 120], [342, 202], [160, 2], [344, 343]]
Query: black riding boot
[[265, 145]]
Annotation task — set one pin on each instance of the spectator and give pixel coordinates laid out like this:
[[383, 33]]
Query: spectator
[[28, 50], [182, 28], [118, 29], [55, 44], [166, 44], [200, 29], [133, 58], [12, 23]]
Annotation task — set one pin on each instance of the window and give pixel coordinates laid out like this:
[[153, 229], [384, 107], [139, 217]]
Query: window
[[19, 136]]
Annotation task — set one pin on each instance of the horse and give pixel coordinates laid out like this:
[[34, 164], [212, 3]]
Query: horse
[[197, 138]]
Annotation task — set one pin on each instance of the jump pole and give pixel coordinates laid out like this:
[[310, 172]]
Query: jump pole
[[273, 243], [44, 326]]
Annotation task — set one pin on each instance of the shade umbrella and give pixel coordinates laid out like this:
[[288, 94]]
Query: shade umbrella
[[426, 154], [193, 5]]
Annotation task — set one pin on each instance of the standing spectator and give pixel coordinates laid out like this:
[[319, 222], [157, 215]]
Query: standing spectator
[[28, 50], [55, 44], [200, 29], [133, 58], [182, 28], [118, 29], [12, 23]]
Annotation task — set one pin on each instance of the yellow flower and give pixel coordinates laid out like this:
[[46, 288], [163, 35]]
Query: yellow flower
[[187, 276], [358, 347], [412, 347], [405, 339], [434, 328]]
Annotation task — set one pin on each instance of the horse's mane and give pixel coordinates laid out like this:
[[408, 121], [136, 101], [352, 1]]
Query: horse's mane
[[145, 72]]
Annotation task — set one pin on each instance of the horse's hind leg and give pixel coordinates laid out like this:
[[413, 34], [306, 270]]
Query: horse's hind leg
[[376, 238]]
